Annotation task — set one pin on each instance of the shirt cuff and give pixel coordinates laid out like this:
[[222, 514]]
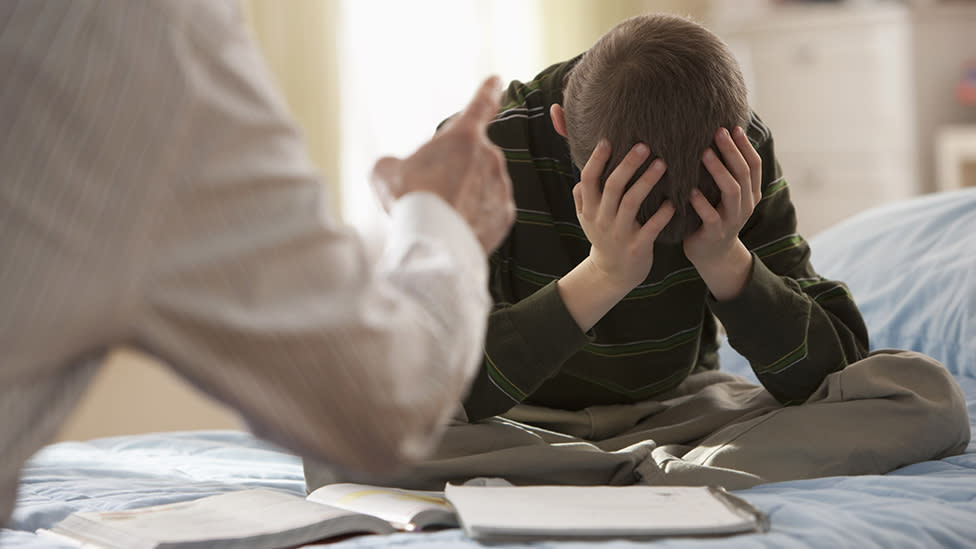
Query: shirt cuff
[[758, 309], [548, 332], [427, 215]]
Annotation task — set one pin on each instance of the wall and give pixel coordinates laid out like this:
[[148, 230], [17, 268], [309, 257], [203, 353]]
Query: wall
[[945, 37], [301, 52], [134, 393]]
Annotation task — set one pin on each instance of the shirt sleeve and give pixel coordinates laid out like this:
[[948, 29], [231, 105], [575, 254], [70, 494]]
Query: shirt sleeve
[[256, 295], [794, 326], [526, 344]]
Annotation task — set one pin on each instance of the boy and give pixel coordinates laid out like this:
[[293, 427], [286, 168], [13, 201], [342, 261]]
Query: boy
[[601, 357]]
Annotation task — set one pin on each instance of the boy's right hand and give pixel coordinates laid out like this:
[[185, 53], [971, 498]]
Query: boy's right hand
[[462, 166], [621, 249]]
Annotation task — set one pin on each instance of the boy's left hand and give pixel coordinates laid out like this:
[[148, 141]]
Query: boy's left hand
[[715, 249]]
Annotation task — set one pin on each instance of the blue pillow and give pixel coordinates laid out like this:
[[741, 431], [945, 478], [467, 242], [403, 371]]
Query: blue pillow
[[911, 267]]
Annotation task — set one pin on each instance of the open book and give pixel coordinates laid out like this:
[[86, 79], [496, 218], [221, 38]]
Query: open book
[[511, 513], [259, 518]]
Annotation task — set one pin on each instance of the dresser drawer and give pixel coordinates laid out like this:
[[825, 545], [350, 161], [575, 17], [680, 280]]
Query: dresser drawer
[[833, 82], [827, 191]]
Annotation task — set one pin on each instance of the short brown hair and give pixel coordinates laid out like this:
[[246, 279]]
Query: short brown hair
[[666, 81]]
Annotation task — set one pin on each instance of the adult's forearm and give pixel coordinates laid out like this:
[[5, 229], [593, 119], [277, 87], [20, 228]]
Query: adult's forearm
[[354, 364]]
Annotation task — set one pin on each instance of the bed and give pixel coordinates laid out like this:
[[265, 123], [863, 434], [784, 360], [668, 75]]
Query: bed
[[910, 265]]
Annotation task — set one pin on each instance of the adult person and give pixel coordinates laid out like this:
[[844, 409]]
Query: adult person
[[156, 194]]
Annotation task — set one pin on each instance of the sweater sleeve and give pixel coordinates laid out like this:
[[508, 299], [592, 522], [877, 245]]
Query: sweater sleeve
[[526, 344], [794, 326]]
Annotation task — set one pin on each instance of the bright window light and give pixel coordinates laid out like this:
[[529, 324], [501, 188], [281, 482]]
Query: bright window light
[[406, 66]]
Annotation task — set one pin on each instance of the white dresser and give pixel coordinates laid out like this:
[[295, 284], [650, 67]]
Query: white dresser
[[835, 85]]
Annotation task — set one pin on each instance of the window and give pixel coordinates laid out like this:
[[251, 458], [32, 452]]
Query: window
[[406, 66]]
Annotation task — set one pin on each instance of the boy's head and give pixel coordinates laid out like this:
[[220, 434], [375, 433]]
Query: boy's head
[[666, 81]]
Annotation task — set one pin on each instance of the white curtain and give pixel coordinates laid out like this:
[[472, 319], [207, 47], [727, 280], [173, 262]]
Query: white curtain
[[406, 66], [298, 40]]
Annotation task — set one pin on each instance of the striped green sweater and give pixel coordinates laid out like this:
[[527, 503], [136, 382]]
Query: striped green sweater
[[792, 325]]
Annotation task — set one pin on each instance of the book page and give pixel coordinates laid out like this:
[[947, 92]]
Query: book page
[[257, 513], [596, 511], [405, 509]]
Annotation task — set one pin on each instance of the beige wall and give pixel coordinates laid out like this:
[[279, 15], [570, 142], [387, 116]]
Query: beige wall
[[573, 25], [134, 393]]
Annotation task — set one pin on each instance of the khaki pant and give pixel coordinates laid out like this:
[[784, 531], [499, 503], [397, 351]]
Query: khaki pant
[[891, 409]]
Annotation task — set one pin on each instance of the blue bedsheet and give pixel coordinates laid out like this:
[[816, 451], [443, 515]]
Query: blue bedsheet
[[930, 504], [912, 268]]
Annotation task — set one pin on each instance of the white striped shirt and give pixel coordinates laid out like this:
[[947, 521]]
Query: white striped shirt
[[154, 193]]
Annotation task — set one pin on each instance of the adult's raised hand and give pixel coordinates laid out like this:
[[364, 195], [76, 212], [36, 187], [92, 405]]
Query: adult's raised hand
[[462, 166]]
